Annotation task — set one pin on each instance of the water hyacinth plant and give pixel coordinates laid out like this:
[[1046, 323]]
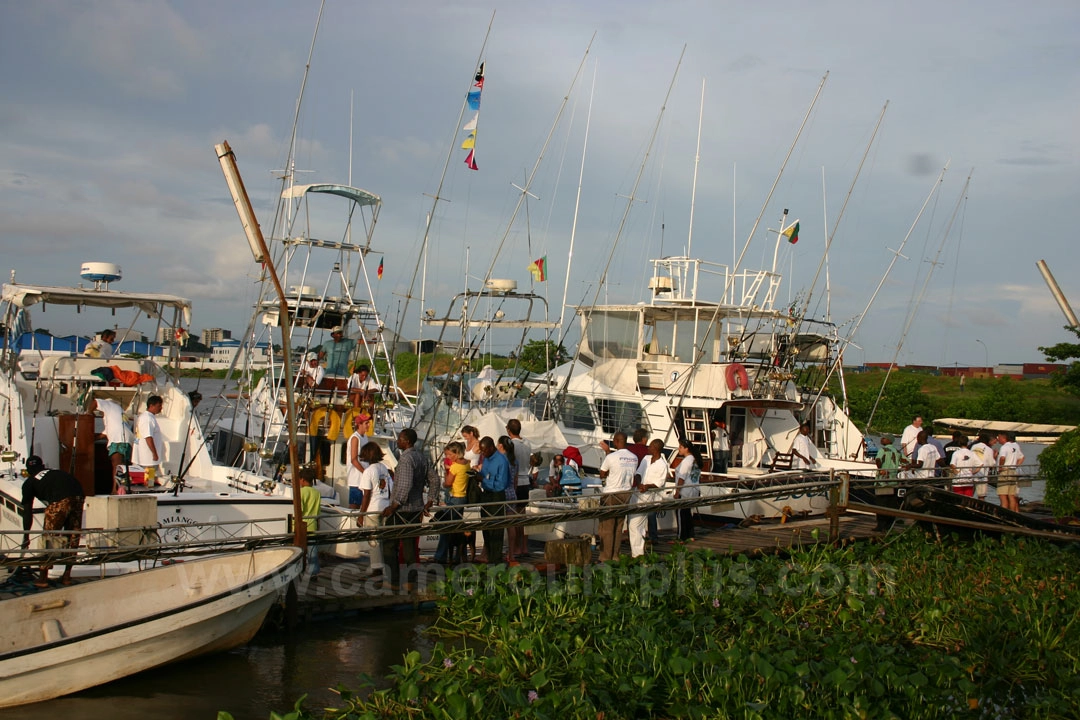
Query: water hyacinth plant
[[913, 628]]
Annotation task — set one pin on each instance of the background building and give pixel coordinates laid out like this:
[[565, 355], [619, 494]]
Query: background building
[[213, 335]]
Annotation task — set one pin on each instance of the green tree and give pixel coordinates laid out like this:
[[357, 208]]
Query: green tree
[[541, 355], [1060, 465], [902, 400], [1070, 379]]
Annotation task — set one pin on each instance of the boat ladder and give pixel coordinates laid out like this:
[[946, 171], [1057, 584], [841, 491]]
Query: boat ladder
[[696, 428]]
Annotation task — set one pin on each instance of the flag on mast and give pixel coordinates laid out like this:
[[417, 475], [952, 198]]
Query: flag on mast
[[792, 233], [379, 271], [538, 268], [473, 101]]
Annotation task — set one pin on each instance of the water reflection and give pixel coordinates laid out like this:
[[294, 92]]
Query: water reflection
[[268, 674]]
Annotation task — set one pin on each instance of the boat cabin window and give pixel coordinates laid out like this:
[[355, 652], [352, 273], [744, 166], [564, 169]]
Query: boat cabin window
[[614, 335], [618, 415], [576, 413]]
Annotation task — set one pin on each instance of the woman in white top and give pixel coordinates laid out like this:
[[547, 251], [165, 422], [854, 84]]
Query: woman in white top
[[687, 475], [472, 446], [650, 479], [376, 484]]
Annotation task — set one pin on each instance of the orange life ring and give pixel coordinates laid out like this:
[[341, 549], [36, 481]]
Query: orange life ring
[[315, 421], [737, 379]]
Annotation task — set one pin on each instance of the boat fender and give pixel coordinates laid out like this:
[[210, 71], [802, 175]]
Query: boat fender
[[737, 379], [315, 422]]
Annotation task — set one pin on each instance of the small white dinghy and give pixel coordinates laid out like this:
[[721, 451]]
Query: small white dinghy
[[65, 640]]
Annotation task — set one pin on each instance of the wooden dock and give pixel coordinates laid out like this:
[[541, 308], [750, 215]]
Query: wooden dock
[[344, 587]]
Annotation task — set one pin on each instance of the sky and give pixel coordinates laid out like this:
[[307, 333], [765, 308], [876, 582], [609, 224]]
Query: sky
[[111, 110]]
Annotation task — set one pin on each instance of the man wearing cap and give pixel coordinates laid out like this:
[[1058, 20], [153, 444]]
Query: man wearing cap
[[63, 498], [337, 352], [311, 375]]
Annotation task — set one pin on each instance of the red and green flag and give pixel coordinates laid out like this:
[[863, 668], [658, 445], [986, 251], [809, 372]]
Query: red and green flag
[[538, 268]]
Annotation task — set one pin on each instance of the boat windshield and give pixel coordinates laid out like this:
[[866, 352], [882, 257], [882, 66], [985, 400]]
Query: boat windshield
[[614, 334]]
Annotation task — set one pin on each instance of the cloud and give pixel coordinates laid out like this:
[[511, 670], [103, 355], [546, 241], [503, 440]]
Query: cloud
[[141, 47]]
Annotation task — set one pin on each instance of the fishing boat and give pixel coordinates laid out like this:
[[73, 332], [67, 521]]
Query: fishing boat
[[640, 366], [48, 391], [69, 639], [332, 315]]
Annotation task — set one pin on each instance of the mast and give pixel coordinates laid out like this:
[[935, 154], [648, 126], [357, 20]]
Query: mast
[[697, 160], [438, 190], [523, 195], [843, 208], [922, 293], [602, 284], [896, 254]]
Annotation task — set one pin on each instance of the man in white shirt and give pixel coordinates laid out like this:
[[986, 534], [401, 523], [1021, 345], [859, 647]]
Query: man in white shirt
[[1010, 458], [150, 448], [311, 375], [617, 472], [721, 447], [806, 454], [925, 462], [909, 440], [361, 386], [117, 435], [985, 452]]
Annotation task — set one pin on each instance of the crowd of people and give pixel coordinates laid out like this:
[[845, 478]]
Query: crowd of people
[[500, 474], [970, 465]]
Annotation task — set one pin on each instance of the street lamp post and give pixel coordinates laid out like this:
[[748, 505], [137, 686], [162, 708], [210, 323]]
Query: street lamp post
[[986, 353]]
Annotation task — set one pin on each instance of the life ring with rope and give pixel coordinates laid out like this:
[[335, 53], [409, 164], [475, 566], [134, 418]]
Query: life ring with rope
[[321, 414], [737, 378]]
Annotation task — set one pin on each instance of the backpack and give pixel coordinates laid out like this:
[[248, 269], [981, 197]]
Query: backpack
[[472, 486]]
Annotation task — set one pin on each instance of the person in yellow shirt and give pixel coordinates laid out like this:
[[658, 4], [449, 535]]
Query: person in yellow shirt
[[450, 549], [310, 501]]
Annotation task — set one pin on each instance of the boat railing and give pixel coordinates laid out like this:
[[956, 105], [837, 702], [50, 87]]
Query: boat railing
[[681, 280]]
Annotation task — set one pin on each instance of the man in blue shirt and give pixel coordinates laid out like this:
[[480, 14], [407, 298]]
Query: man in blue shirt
[[494, 479]]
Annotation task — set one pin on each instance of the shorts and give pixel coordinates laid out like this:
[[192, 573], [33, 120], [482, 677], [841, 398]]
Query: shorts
[[65, 514], [123, 449], [356, 496], [1006, 484], [965, 490]]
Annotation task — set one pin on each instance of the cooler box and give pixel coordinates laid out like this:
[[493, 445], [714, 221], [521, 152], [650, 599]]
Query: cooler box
[[105, 515]]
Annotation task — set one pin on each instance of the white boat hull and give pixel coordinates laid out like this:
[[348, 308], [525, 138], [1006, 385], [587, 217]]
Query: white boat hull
[[66, 640]]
